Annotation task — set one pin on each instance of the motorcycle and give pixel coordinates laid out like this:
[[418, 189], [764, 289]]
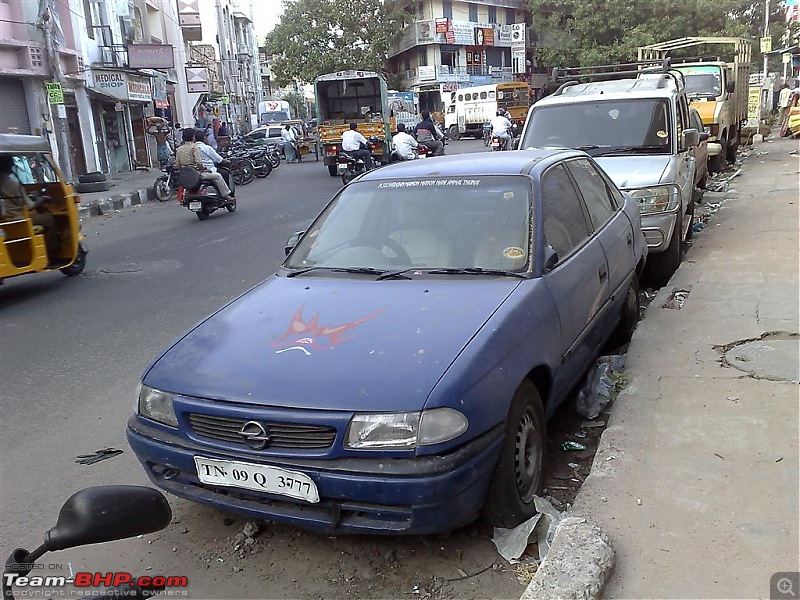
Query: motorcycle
[[273, 154], [166, 185], [262, 166], [241, 168], [350, 167], [92, 516], [487, 133], [201, 196], [499, 144]]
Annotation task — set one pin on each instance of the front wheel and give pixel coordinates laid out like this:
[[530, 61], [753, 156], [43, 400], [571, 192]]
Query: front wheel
[[162, 189], [453, 132], [660, 267], [247, 173], [518, 475], [231, 206], [347, 177], [629, 317], [78, 265]]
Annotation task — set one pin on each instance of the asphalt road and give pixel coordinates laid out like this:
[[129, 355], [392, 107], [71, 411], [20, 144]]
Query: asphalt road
[[71, 355]]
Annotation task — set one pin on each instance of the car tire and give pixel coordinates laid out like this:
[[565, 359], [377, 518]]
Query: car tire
[[93, 177], [690, 216], [332, 170], [716, 163], [629, 317], [89, 188], [518, 475], [660, 267]]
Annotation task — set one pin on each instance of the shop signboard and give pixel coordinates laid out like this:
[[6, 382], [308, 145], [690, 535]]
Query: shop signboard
[[55, 93], [121, 85], [150, 56]]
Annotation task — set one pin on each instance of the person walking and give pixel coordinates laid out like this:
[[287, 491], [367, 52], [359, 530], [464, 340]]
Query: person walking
[[784, 103], [289, 149]]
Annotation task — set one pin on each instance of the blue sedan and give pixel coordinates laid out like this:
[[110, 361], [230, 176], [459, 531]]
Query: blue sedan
[[397, 373]]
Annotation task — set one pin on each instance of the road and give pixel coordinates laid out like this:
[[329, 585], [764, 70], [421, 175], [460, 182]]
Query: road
[[73, 351]]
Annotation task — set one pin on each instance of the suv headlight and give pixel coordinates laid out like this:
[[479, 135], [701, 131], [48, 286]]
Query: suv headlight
[[658, 198], [399, 431], [156, 405]]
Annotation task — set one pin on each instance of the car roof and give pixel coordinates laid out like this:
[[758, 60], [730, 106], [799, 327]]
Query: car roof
[[11, 142], [644, 86], [465, 165]]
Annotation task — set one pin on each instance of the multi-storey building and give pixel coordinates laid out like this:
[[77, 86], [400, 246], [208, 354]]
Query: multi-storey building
[[456, 43]]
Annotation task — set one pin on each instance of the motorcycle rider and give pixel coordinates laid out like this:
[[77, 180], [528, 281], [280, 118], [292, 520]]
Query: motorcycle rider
[[501, 127], [428, 133], [405, 146], [356, 145], [211, 158], [189, 155]]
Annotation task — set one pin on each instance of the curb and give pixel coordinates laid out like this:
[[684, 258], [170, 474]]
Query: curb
[[107, 206]]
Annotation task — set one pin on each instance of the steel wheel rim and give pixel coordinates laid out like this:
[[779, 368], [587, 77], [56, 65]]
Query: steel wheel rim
[[527, 456]]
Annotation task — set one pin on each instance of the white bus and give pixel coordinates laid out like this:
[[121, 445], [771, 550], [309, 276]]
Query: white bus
[[274, 111], [470, 107]]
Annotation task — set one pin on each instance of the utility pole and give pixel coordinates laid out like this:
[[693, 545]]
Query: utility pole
[[766, 34]]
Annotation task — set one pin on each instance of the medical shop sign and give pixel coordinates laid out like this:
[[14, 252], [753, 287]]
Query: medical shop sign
[[124, 86]]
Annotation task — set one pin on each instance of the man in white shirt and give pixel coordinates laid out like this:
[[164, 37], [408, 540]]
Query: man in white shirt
[[501, 127], [357, 145], [289, 138], [210, 157], [405, 145], [784, 101]]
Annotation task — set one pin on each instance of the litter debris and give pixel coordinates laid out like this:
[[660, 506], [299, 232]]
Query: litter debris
[[719, 456], [251, 528], [639, 501], [677, 299], [590, 424], [602, 384], [733, 399], [568, 445], [90, 459], [698, 227], [511, 543]]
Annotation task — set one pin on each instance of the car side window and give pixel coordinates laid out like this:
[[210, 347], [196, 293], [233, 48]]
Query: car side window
[[565, 225], [594, 191], [683, 119]]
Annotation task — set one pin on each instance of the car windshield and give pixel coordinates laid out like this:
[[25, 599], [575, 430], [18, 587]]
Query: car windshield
[[274, 116], [702, 81], [627, 125], [478, 222]]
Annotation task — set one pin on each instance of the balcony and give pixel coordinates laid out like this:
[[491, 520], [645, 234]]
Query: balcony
[[461, 33], [460, 76], [22, 58]]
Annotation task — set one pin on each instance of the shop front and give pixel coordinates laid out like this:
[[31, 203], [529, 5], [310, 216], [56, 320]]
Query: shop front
[[118, 102]]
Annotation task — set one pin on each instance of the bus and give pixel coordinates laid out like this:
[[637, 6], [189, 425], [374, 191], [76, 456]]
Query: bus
[[274, 111], [470, 107]]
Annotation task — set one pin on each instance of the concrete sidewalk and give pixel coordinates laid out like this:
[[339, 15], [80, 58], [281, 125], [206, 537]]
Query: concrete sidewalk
[[126, 189], [695, 481]]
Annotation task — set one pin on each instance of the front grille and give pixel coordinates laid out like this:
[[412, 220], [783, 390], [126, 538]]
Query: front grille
[[281, 435]]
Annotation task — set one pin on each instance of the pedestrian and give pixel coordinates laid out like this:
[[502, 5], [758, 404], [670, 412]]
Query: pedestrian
[[163, 151], [211, 140], [357, 145], [428, 133], [189, 155], [288, 137], [784, 102], [404, 144]]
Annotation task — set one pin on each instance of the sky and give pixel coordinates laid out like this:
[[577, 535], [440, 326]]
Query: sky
[[266, 14]]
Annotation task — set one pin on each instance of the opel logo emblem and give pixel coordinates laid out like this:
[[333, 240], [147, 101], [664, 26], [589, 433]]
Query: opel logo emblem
[[255, 435]]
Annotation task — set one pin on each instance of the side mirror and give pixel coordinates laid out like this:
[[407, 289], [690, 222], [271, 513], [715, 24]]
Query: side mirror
[[691, 138], [292, 240], [550, 258], [108, 513], [703, 136], [730, 87]]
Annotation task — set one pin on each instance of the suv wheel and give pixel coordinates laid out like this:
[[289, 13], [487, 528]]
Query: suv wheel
[[660, 267]]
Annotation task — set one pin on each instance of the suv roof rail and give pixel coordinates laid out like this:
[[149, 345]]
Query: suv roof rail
[[570, 76]]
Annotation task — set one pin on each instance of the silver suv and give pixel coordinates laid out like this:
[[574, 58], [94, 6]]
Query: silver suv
[[640, 133]]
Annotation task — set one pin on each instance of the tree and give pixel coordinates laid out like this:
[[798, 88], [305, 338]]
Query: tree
[[324, 36], [573, 34], [298, 102]]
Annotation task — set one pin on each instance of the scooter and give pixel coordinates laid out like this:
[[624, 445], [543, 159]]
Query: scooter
[[92, 516], [201, 196]]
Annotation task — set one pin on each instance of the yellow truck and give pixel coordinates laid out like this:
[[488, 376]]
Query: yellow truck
[[345, 97], [716, 84]]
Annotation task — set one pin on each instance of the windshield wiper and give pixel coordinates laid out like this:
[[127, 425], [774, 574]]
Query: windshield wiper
[[474, 271], [644, 149], [588, 147], [364, 270]]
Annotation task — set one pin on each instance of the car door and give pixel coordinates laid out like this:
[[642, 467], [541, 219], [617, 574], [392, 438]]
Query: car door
[[579, 279], [610, 224], [685, 156]]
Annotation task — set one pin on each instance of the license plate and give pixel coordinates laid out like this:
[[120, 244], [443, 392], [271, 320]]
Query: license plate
[[495, 144], [341, 168], [195, 206], [260, 478]]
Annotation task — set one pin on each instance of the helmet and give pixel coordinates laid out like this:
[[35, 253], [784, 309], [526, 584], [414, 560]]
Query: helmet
[[501, 112]]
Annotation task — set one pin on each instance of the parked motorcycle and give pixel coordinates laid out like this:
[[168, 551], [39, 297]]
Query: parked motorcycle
[[241, 168], [92, 516], [262, 166], [201, 196], [166, 185], [273, 154]]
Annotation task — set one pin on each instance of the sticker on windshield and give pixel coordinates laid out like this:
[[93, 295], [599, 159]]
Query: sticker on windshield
[[661, 133], [508, 195], [428, 183], [514, 253]]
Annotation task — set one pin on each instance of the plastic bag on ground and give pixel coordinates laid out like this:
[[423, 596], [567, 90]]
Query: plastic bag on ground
[[597, 390], [541, 528]]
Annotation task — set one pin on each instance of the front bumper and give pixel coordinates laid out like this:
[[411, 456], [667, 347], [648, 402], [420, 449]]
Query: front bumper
[[357, 495], [715, 148], [657, 230]]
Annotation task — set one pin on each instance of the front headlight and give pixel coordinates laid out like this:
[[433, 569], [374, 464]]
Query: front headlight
[[157, 405], [655, 199], [399, 431]]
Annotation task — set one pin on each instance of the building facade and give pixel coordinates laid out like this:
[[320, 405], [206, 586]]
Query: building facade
[[451, 44]]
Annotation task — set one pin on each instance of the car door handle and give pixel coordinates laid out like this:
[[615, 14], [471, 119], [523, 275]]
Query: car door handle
[[603, 273], [630, 239]]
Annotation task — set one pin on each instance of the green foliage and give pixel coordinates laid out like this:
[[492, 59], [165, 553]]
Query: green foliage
[[322, 36], [610, 31]]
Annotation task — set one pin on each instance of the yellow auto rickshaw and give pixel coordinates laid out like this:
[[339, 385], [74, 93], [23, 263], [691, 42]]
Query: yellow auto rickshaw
[[24, 233], [306, 143]]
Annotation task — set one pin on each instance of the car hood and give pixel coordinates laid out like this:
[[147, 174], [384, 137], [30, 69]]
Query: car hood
[[328, 343], [636, 171]]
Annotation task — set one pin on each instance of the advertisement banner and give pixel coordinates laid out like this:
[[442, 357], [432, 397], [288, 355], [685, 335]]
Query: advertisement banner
[[484, 36], [442, 25], [463, 34], [150, 56], [502, 35]]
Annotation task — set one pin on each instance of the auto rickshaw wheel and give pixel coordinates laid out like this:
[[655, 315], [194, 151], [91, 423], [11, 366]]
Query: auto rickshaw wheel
[[78, 265]]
